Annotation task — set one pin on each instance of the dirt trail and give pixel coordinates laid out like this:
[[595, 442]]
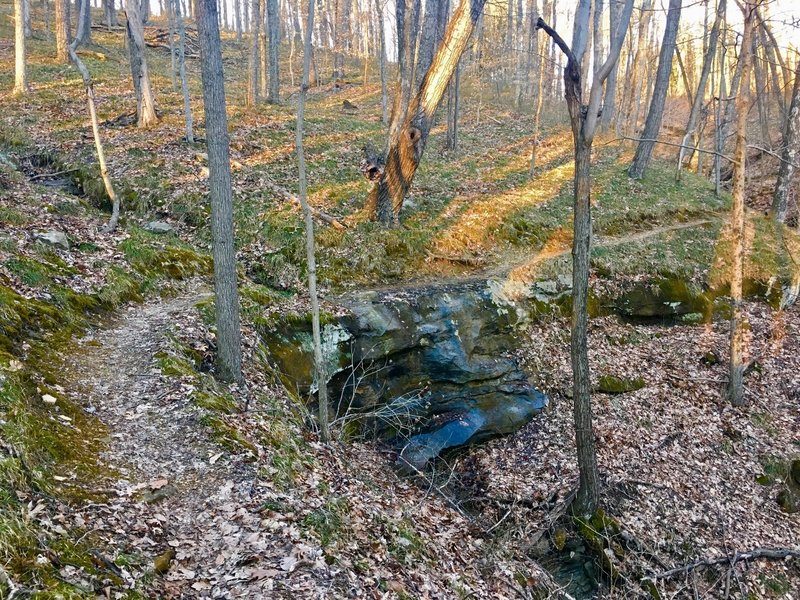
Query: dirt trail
[[177, 489]]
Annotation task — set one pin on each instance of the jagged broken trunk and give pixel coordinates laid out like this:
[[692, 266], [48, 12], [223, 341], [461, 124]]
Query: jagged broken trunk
[[428, 368]]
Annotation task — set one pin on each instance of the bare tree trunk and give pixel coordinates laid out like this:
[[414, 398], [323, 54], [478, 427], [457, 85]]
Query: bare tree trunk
[[86, 19], [610, 100], [110, 11], [145, 11], [654, 116], [637, 68], [20, 60], [453, 101], [229, 345], [254, 70], [405, 53], [145, 104], [62, 30], [26, 18], [736, 374], [273, 95], [718, 125], [237, 10], [98, 145], [187, 104], [382, 63], [319, 363], [699, 97], [406, 148], [761, 95], [262, 51], [172, 53], [427, 40], [537, 95], [789, 153], [342, 39], [584, 120]]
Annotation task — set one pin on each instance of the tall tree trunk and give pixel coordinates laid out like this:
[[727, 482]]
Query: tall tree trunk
[[405, 52], [736, 373], [229, 345], [262, 50], [62, 30], [584, 121], [187, 104], [20, 60], [254, 67], [110, 12], [718, 137], [26, 18], [237, 11], [98, 145], [342, 38], [537, 96], [273, 23], [382, 63], [406, 149], [700, 94], [453, 101], [762, 94], [610, 100], [145, 11], [790, 152], [638, 67], [145, 104], [172, 50], [654, 116], [84, 32], [319, 362], [427, 40]]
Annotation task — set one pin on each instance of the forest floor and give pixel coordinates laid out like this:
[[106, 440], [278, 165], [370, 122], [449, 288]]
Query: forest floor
[[126, 470]]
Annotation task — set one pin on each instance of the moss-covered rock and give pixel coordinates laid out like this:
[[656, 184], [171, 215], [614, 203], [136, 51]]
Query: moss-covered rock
[[611, 384]]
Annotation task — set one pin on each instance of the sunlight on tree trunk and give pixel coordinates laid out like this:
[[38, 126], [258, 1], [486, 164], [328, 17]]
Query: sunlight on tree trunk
[[20, 65], [743, 101], [406, 149], [62, 30], [101, 159], [187, 104], [145, 104]]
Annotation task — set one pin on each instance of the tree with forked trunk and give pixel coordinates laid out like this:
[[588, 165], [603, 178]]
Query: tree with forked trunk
[[393, 181], [584, 119]]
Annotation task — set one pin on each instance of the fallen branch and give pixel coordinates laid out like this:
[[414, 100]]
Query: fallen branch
[[286, 194], [47, 175], [770, 553]]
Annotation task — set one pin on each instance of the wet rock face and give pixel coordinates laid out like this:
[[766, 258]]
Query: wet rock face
[[429, 367]]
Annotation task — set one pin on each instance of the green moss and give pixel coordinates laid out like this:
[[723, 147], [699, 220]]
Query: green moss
[[228, 436], [610, 384]]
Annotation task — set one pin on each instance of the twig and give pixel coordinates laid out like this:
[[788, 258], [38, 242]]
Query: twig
[[56, 174], [771, 553]]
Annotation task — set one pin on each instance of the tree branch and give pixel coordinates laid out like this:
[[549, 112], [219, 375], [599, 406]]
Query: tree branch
[[771, 553]]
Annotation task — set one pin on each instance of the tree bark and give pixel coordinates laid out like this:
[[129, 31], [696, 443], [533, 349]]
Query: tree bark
[[406, 149], [700, 94], [84, 34], [584, 121], [237, 9], [229, 347], [110, 11], [145, 103], [254, 70], [342, 38], [789, 153], [273, 22], [20, 60], [62, 30], [98, 145], [382, 63], [319, 362], [537, 95], [610, 100], [187, 104], [736, 373], [427, 40], [644, 150]]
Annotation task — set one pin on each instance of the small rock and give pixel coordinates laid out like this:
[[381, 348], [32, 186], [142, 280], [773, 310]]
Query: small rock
[[159, 227], [53, 238], [159, 494], [48, 399]]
